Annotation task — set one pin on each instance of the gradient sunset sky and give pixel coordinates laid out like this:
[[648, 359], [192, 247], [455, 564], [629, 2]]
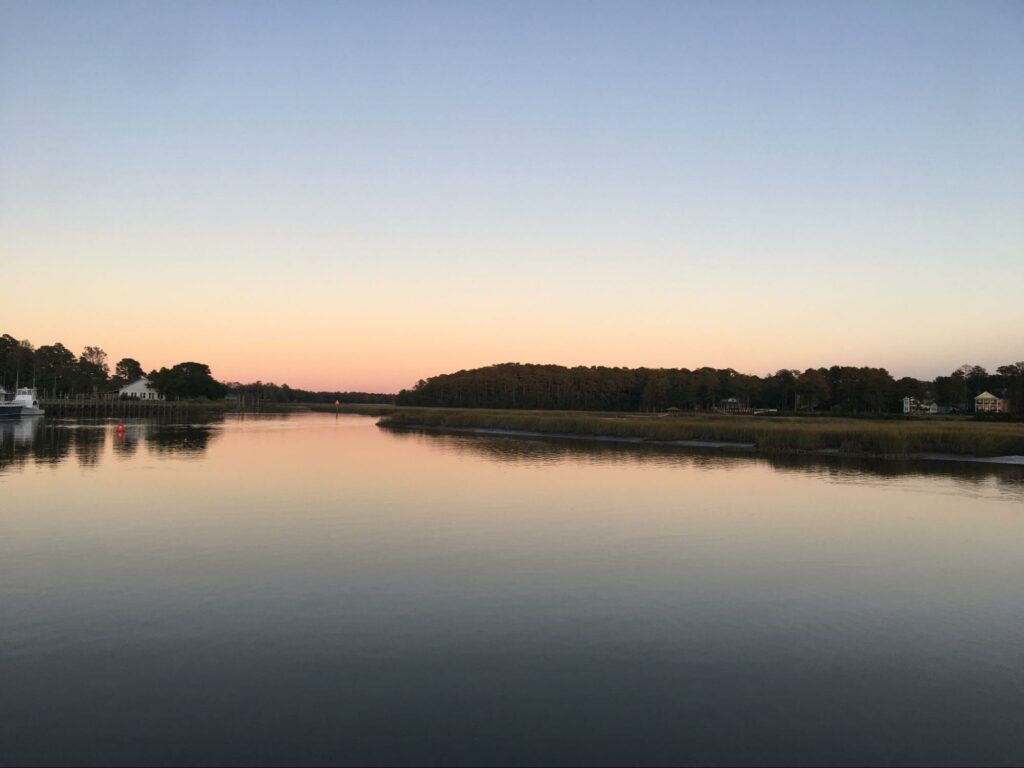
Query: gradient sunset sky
[[358, 195]]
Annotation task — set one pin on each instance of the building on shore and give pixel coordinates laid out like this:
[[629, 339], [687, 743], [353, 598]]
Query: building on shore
[[986, 402], [140, 389], [913, 405]]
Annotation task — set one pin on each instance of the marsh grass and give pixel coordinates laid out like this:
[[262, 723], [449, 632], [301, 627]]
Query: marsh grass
[[883, 437]]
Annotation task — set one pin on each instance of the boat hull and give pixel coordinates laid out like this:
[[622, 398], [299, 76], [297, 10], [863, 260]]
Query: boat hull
[[8, 411], [28, 400]]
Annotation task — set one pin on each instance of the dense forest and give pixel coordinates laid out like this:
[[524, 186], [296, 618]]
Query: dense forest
[[839, 389], [282, 393], [57, 372]]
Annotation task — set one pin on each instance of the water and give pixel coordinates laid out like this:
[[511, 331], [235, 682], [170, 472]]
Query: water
[[313, 589]]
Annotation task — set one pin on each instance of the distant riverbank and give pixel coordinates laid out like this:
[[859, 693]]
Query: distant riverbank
[[109, 407], [890, 437]]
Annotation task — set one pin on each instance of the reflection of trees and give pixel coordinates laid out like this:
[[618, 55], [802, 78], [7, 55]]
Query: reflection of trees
[[52, 444], [126, 444], [839, 469], [844, 469], [17, 437], [22, 440], [189, 439], [546, 450], [89, 442]]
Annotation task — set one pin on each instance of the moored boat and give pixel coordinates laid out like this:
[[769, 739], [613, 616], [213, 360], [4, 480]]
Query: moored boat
[[9, 409], [28, 399]]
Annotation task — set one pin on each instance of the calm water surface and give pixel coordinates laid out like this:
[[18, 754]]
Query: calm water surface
[[313, 589]]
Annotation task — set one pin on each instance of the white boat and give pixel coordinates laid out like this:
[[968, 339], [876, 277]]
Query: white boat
[[27, 398], [8, 408]]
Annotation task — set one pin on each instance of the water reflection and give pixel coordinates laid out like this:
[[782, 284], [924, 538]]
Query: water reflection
[[89, 443], [838, 469], [40, 441], [186, 439], [126, 444]]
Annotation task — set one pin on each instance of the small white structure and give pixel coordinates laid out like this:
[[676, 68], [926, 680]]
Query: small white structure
[[913, 405], [141, 389], [986, 402]]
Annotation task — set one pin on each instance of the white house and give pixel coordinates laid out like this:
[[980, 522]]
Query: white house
[[141, 389], [913, 405], [986, 402]]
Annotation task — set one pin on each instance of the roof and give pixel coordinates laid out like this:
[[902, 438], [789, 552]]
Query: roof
[[986, 396], [135, 384]]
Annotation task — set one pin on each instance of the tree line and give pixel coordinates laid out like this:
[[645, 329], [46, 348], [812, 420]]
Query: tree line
[[57, 372], [269, 392], [837, 389]]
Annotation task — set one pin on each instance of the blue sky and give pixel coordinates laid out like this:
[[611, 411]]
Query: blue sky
[[755, 185]]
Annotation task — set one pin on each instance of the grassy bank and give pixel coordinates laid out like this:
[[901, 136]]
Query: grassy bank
[[888, 437]]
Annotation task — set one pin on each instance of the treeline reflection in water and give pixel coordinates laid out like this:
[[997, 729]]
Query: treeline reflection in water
[[41, 441], [839, 469]]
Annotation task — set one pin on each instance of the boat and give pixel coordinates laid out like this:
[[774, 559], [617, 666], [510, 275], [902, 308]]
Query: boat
[[28, 399], [8, 408]]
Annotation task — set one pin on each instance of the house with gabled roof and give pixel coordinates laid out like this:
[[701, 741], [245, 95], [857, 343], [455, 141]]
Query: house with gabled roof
[[986, 402], [140, 389]]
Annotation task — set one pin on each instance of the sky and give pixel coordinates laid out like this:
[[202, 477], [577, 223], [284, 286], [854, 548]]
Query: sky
[[355, 196]]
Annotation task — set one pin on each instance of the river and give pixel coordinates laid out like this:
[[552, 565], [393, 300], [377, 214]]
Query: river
[[312, 589]]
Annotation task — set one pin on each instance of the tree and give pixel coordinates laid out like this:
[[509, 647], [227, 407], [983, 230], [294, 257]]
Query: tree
[[978, 381], [779, 389], [877, 389], [17, 361], [911, 387], [56, 368], [743, 387], [126, 371], [92, 369], [97, 357], [951, 390], [705, 387], [655, 395], [1013, 379], [812, 388], [187, 380]]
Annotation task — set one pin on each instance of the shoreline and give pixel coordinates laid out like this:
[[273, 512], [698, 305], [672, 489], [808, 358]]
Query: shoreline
[[1009, 460], [813, 435]]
